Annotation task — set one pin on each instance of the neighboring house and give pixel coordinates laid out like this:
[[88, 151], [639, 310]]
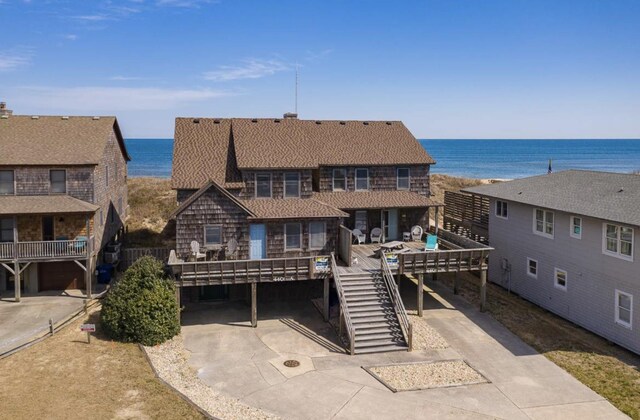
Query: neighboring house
[[63, 197], [282, 187], [568, 241]]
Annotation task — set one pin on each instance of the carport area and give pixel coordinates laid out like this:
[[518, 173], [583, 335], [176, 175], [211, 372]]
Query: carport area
[[248, 364]]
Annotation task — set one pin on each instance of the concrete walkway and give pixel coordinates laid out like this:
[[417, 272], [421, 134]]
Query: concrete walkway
[[247, 363], [23, 321]]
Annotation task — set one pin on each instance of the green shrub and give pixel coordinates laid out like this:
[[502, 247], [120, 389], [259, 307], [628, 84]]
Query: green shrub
[[141, 307]]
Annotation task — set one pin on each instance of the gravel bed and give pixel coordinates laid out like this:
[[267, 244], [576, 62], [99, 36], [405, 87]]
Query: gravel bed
[[415, 376], [424, 336], [169, 360]]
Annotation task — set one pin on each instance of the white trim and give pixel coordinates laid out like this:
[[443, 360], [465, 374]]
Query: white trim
[[284, 184], [544, 223], [617, 254], [408, 179], [285, 237], [617, 309], [204, 239], [571, 232], [529, 273], [333, 179], [555, 279], [355, 179], [255, 178], [15, 182], [324, 235], [500, 216]]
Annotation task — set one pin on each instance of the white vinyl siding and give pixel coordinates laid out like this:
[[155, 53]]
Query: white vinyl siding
[[58, 181], [532, 268], [624, 309], [339, 179], [7, 183], [560, 279], [362, 179], [575, 225], [502, 209], [263, 185], [403, 179], [617, 241], [292, 236], [543, 223], [212, 235], [317, 235], [292, 185]]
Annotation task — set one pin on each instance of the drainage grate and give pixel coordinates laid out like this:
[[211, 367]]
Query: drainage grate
[[291, 363]]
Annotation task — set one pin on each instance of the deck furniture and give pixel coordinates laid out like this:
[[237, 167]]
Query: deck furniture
[[376, 235], [416, 233], [431, 243], [359, 236], [195, 251], [406, 236]]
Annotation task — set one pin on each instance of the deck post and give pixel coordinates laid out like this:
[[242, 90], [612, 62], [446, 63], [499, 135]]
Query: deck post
[[483, 290], [325, 306], [436, 220], [88, 274], [16, 281], [420, 293], [254, 304], [456, 283], [178, 290]]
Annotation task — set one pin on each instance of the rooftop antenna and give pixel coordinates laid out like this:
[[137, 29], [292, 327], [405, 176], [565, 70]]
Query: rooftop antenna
[[296, 107]]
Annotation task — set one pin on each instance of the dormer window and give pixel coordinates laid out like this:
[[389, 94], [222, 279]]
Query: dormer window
[[362, 179], [58, 181], [263, 185], [339, 179]]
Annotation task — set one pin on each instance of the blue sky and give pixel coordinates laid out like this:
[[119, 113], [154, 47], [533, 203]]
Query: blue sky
[[448, 69]]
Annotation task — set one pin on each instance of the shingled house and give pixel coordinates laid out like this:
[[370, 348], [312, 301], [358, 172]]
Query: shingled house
[[63, 197]]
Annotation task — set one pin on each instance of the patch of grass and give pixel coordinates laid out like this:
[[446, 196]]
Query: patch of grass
[[63, 377], [441, 183], [151, 201], [606, 368]]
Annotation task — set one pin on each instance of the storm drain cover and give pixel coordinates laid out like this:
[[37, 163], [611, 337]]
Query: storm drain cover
[[291, 363]]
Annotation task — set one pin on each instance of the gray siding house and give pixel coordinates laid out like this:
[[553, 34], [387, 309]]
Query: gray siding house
[[568, 242]]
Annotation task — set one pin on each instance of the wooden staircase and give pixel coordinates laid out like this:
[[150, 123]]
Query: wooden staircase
[[372, 315]]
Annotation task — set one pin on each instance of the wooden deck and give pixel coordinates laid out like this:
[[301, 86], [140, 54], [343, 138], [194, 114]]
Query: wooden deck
[[367, 258], [44, 250]]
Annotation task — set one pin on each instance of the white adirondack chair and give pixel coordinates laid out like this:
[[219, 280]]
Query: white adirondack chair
[[359, 236], [416, 233], [376, 235], [195, 251]]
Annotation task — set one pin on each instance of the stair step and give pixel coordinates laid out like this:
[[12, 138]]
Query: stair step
[[383, 308], [381, 349], [354, 303], [378, 330], [370, 320], [377, 343], [377, 336], [349, 283], [370, 313], [355, 293]]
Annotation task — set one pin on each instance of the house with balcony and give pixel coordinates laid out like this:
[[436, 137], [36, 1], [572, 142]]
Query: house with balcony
[[568, 242], [282, 200], [63, 198]]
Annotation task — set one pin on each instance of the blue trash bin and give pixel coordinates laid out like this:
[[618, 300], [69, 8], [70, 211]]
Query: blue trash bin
[[105, 271]]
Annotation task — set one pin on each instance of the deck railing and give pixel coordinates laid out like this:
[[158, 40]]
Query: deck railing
[[42, 250], [205, 273], [345, 245], [344, 313], [396, 301], [442, 261]]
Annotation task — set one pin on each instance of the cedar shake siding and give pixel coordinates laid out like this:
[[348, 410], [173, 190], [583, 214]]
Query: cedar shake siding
[[381, 178], [277, 184], [35, 180], [275, 238]]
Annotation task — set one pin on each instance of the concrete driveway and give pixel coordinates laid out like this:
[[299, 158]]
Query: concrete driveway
[[20, 322], [246, 363]]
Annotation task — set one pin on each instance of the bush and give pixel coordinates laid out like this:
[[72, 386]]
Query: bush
[[141, 307]]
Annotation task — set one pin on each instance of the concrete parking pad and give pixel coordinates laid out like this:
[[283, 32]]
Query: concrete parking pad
[[241, 361]]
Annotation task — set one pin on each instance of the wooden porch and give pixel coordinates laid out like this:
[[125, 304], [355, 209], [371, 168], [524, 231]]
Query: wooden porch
[[44, 250]]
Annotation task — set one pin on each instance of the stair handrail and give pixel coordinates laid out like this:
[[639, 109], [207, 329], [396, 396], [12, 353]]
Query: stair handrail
[[343, 305], [396, 300]]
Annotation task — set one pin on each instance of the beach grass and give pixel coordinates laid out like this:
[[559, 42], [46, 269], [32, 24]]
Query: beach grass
[[151, 201]]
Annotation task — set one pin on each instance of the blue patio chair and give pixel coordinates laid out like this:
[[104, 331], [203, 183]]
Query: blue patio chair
[[81, 243], [431, 243]]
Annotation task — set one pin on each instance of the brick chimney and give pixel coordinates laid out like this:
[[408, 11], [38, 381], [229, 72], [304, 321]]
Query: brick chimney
[[4, 110]]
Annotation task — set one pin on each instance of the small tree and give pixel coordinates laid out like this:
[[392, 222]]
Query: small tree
[[141, 307]]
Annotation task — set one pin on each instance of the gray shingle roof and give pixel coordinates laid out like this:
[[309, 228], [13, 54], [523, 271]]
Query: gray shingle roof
[[44, 204], [375, 199], [603, 195]]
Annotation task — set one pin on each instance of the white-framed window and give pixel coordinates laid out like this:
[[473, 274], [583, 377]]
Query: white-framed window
[[362, 179], [6, 229], [7, 182], [58, 181], [292, 236], [543, 222], [263, 185], [403, 179], [317, 235], [292, 185], [575, 224], [532, 268], [339, 179], [502, 209], [624, 309], [617, 241], [560, 279], [212, 235], [361, 221]]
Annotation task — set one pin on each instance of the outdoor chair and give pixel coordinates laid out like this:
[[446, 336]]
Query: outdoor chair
[[376, 235], [80, 242], [416, 233], [359, 236], [431, 244], [195, 251]]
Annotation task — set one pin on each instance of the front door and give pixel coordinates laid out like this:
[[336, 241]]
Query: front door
[[257, 242], [47, 228], [390, 224]]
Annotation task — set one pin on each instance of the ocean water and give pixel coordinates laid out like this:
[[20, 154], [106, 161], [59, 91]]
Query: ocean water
[[467, 158]]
